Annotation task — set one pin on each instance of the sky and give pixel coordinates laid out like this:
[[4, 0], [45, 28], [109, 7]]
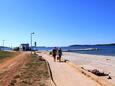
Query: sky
[[57, 22]]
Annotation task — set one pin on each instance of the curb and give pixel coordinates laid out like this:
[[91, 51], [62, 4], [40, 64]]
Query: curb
[[50, 73], [99, 80]]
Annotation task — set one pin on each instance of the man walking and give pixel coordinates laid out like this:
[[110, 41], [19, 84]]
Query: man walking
[[60, 54], [54, 53]]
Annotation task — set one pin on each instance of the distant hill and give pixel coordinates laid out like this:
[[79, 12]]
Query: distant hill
[[78, 45], [4, 47], [112, 44]]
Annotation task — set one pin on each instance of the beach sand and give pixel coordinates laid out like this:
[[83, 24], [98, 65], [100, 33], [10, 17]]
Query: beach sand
[[103, 63], [65, 75]]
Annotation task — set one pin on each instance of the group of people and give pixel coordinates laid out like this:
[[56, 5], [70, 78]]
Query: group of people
[[57, 54]]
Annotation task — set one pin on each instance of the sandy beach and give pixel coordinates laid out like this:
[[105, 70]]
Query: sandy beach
[[103, 63], [65, 75]]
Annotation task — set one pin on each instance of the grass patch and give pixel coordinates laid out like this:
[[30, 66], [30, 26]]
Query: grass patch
[[4, 54], [34, 73]]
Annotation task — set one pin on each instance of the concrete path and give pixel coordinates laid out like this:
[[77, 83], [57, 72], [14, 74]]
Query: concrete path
[[64, 75]]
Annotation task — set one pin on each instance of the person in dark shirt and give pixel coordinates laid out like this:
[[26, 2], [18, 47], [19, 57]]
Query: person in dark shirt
[[54, 53], [59, 54]]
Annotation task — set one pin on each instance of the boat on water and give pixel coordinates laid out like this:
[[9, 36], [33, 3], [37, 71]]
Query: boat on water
[[87, 49]]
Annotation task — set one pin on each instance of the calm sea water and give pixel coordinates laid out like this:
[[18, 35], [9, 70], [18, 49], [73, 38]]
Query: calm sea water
[[6, 49], [103, 50]]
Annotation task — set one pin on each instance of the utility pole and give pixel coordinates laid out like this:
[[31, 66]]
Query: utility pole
[[11, 46], [35, 46], [3, 44], [31, 41]]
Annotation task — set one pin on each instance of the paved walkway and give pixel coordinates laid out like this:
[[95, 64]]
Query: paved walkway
[[64, 75]]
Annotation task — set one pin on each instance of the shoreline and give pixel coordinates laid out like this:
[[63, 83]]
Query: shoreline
[[104, 63], [111, 56]]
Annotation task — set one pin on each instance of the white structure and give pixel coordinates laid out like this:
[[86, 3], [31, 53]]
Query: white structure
[[24, 47]]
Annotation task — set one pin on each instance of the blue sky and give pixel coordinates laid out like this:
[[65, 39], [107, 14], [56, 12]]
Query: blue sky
[[57, 22]]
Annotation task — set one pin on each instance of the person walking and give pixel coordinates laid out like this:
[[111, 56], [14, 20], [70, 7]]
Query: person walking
[[54, 53], [59, 54]]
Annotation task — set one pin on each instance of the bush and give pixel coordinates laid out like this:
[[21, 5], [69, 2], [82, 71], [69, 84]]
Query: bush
[[50, 53], [16, 49]]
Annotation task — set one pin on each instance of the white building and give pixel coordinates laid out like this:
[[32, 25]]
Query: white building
[[24, 47]]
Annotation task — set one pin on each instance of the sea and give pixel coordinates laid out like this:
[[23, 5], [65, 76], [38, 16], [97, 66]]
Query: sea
[[102, 50], [5, 49]]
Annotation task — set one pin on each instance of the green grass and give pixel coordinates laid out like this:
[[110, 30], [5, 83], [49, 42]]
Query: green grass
[[4, 54]]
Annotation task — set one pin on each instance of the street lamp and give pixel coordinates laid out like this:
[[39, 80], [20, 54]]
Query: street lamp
[[31, 41]]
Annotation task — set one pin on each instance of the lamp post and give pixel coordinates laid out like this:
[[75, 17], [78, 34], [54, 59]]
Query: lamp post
[[31, 41]]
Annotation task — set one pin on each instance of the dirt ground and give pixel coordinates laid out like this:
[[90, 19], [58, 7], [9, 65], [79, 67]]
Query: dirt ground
[[9, 67], [33, 73], [22, 70]]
